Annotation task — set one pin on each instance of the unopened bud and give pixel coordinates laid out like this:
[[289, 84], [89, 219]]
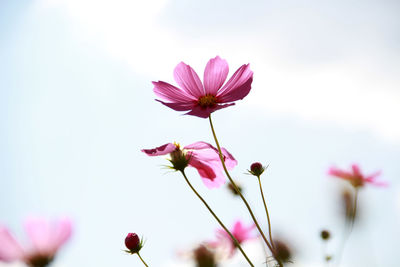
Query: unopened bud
[[133, 243], [204, 257], [325, 235], [256, 169], [233, 190]]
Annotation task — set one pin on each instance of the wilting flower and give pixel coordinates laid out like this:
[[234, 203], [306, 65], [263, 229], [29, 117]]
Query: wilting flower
[[133, 243], [240, 231], [355, 177], [45, 239], [200, 155], [203, 99]]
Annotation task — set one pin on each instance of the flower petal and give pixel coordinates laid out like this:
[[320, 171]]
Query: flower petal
[[215, 75], [178, 106], [205, 112], [203, 151], [209, 173], [39, 232], [171, 93], [356, 170], [161, 150], [188, 80], [61, 232], [339, 173], [10, 249], [238, 86]]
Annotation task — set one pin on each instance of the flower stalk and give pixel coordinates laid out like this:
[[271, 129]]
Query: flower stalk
[[241, 195], [140, 257], [218, 220]]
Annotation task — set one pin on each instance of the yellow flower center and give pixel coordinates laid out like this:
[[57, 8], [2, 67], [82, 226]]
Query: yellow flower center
[[207, 101]]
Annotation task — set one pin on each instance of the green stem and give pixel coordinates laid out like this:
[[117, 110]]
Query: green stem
[[140, 257], [266, 211], [240, 194], [348, 229], [237, 244]]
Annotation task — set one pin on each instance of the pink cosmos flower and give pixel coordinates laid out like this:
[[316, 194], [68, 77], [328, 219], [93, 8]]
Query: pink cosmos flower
[[355, 177], [200, 155], [45, 239], [240, 231], [203, 99]]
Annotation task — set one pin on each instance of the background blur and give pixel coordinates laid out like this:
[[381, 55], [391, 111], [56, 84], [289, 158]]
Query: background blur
[[76, 107]]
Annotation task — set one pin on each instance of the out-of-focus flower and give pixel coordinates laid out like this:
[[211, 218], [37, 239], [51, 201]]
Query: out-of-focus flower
[[256, 169], [355, 177], [46, 238], [240, 231], [133, 243], [204, 257], [200, 155], [201, 100]]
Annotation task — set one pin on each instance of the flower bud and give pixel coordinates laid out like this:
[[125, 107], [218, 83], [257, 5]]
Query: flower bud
[[133, 243], [233, 190], [325, 234], [204, 257], [256, 169]]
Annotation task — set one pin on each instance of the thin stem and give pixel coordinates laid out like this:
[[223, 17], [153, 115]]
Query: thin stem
[[354, 209], [140, 257], [266, 211], [348, 228], [237, 244], [240, 194]]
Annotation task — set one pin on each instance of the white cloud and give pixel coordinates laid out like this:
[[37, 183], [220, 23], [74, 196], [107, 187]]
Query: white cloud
[[346, 92]]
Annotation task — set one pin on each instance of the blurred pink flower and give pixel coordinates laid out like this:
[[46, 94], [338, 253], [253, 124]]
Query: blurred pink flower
[[200, 155], [201, 100], [45, 239], [241, 232], [355, 177]]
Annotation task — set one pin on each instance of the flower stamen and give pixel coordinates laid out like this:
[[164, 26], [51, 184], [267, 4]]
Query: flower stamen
[[207, 101]]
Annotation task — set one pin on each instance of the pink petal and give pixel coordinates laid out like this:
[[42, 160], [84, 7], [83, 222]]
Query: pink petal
[[61, 232], [205, 112], [161, 150], [188, 80], [206, 155], [356, 170], [215, 75], [339, 173], [178, 106], [209, 173], [171, 93], [238, 86], [230, 161], [10, 249], [241, 232], [40, 234]]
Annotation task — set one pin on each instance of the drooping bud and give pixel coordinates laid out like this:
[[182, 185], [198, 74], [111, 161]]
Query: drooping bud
[[133, 243], [325, 235], [256, 169]]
